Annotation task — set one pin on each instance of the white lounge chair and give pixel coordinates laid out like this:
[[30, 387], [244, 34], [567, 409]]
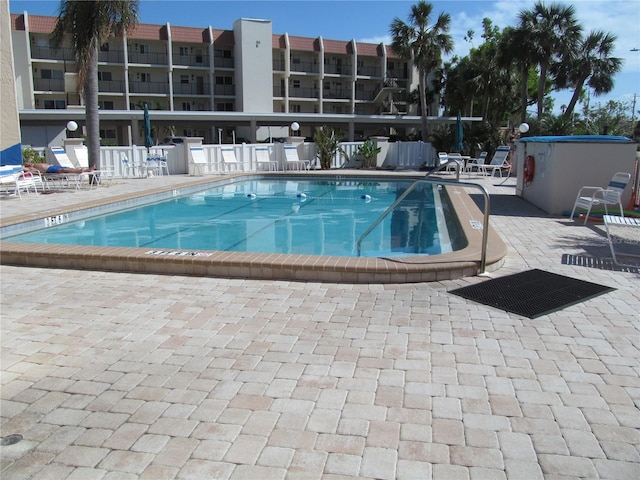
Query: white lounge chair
[[443, 157], [96, 177], [229, 159], [156, 163], [13, 180], [128, 168], [293, 161], [197, 160], [589, 196], [623, 233], [499, 162], [263, 160]]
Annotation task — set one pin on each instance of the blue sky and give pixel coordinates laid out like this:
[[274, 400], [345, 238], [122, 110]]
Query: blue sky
[[369, 20]]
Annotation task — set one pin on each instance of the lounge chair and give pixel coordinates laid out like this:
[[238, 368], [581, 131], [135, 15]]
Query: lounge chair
[[293, 161], [499, 162], [13, 180], [443, 157], [128, 168], [197, 160], [589, 196], [96, 177], [229, 159], [623, 233], [263, 160]]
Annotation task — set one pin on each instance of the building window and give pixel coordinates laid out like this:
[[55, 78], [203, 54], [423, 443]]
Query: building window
[[295, 83], [184, 51], [186, 106], [224, 80], [224, 107], [184, 78], [54, 105], [108, 134], [105, 105], [143, 48], [104, 76], [295, 108], [145, 77]]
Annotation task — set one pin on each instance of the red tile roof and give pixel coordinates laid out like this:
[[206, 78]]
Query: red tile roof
[[41, 24], [145, 31], [305, 44], [223, 38], [189, 34], [336, 46]]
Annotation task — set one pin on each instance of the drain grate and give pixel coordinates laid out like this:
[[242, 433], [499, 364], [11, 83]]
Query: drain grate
[[532, 293], [10, 439]]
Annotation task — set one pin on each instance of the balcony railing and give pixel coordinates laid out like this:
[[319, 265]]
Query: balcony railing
[[336, 94], [191, 60], [223, 62], [278, 65], [228, 90], [149, 87], [308, 67], [151, 58], [338, 69], [49, 53], [112, 56], [368, 95], [191, 89], [303, 92], [49, 84], [369, 71], [111, 86]]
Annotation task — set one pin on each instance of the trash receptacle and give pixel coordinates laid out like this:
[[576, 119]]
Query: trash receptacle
[[563, 164]]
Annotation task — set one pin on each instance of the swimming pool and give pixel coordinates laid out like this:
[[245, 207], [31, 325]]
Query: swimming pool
[[311, 216], [406, 265]]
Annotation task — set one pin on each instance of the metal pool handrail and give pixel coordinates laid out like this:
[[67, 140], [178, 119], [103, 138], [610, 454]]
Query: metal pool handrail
[[485, 221]]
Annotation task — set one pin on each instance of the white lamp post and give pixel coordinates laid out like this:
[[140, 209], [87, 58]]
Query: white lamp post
[[72, 126], [524, 127], [295, 126]]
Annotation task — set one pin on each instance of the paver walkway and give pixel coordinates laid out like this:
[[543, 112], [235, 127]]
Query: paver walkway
[[116, 375]]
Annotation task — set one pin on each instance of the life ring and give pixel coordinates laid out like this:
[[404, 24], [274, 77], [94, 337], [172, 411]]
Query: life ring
[[529, 169]]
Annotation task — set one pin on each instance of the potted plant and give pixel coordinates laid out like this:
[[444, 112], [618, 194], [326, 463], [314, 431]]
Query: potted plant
[[327, 145], [368, 151]]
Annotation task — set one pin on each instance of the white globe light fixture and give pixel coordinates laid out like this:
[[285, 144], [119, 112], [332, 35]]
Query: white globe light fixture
[[72, 126], [524, 127], [295, 126]]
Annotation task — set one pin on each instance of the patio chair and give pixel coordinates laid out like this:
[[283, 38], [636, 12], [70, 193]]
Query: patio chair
[[263, 159], [589, 196], [229, 159], [197, 160], [499, 162], [293, 161], [13, 180], [475, 163], [128, 168], [156, 163], [458, 158], [443, 157]]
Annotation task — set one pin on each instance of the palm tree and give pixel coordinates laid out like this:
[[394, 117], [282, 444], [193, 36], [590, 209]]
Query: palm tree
[[87, 25], [592, 64], [423, 45], [555, 32]]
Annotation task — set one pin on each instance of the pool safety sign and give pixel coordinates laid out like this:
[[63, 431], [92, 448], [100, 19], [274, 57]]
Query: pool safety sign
[[178, 254]]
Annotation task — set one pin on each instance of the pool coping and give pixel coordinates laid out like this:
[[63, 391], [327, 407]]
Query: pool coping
[[409, 269]]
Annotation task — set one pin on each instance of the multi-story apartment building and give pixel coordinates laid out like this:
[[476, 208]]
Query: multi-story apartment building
[[212, 83]]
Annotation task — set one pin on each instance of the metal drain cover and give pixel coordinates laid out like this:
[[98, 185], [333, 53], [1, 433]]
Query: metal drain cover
[[10, 439]]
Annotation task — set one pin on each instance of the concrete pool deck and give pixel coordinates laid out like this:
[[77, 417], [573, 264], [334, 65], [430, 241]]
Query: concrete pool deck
[[122, 375]]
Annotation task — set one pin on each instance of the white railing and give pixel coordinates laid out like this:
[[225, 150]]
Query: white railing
[[399, 155]]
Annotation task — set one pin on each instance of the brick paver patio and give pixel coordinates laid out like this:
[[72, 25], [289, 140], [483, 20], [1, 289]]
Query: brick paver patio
[[117, 375]]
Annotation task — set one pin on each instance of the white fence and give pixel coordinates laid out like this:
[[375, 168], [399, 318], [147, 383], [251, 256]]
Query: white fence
[[399, 155]]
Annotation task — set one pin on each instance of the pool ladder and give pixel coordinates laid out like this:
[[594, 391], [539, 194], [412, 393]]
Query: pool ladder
[[485, 221]]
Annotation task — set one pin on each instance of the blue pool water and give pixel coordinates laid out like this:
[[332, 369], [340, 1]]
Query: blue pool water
[[295, 216]]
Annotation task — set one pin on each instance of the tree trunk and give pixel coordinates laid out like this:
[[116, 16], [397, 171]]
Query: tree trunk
[[422, 80], [91, 108], [524, 94], [574, 98], [541, 84]]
